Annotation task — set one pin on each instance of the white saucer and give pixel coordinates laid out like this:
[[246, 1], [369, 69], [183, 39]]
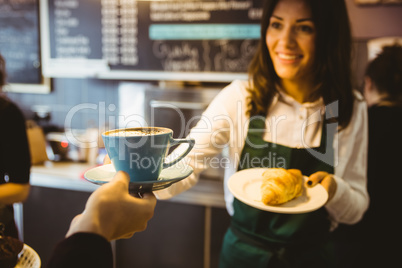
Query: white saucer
[[245, 185], [103, 174]]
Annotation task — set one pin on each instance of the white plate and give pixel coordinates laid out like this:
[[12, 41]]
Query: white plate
[[245, 185], [28, 258], [105, 173]]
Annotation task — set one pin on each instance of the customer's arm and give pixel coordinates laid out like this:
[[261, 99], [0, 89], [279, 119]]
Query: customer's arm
[[113, 213], [110, 213]]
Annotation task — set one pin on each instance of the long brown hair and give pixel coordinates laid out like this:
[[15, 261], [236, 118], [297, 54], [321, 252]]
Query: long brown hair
[[3, 73], [3, 76], [332, 65]]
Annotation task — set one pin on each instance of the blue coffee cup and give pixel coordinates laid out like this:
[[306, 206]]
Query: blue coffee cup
[[141, 151]]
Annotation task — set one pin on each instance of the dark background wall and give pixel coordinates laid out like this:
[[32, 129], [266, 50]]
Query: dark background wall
[[372, 21]]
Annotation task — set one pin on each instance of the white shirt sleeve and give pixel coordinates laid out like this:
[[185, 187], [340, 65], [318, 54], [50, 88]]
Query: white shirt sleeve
[[351, 199], [211, 134]]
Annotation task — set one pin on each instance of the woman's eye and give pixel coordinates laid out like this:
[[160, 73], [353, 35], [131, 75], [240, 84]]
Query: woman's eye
[[305, 29], [275, 25]]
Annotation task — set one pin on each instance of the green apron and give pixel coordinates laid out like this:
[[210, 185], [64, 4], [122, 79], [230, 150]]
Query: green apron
[[259, 238]]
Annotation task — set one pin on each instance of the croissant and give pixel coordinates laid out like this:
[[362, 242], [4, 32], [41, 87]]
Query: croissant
[[280, 185]]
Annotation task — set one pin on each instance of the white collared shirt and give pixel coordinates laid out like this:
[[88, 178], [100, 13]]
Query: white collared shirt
[[293, 124]]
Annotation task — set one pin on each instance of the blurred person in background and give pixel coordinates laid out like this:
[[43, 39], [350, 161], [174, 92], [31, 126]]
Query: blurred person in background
[[374, 241], [15, 159]]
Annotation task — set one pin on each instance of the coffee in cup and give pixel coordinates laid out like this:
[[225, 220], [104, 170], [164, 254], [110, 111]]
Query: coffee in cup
[[141, 151]]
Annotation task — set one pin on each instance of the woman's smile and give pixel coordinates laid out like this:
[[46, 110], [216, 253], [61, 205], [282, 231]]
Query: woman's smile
[[288, 57]]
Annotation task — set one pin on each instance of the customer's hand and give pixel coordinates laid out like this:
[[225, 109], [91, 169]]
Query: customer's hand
[[113, 213]]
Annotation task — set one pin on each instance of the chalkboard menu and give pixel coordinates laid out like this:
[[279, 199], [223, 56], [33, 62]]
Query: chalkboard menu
[[19, 41], [157, 40]]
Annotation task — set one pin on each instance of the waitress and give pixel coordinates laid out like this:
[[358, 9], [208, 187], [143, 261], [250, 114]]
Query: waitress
[[297, 110], [15, 161]]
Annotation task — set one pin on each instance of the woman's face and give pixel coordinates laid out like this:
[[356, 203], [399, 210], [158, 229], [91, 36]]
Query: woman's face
[[290, 39]]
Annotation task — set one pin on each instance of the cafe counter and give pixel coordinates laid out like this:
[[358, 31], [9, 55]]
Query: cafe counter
[[186, 230], [70, 176]]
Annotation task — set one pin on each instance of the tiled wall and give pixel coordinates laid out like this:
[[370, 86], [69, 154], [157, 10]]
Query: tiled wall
[[78, 103]]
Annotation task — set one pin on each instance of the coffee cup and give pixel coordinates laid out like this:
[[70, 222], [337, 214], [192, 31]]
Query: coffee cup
[[141, 151]]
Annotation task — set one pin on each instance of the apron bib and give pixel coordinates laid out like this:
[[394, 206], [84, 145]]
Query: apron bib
[[258, 238]]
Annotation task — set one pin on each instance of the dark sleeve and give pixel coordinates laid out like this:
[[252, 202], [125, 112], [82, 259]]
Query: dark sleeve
[[15, 158], [384, 144], [82, 250], [383, 173]]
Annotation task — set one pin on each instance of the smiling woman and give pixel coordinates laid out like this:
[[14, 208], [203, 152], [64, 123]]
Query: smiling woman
[[313, 34], [301, 113]]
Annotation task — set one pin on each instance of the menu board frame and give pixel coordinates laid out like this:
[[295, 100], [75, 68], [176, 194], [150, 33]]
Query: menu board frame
[[21, 39], [102, 69], [43, 88]]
